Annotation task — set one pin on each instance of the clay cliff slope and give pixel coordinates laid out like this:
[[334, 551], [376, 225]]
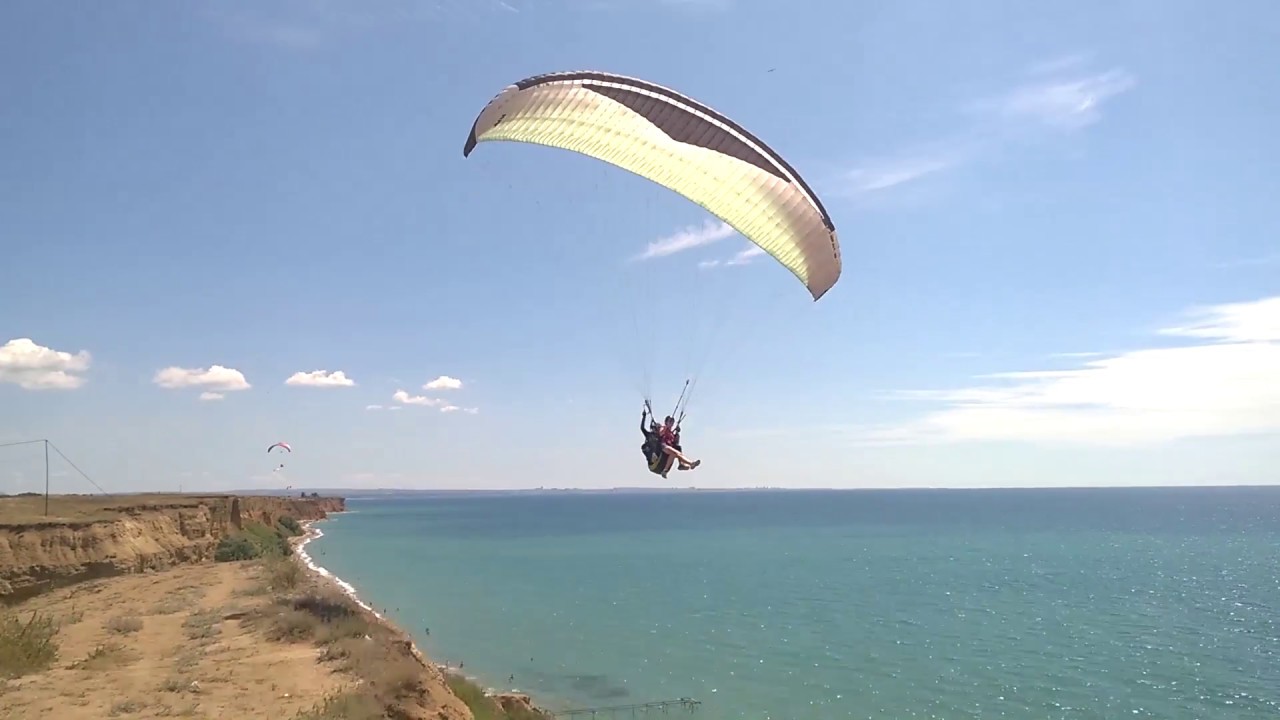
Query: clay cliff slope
[[88, 537]]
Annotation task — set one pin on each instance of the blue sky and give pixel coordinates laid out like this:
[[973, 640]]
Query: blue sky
[[1058, 223]]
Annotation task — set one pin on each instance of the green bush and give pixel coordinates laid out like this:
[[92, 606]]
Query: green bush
[[255, 541], [26, 647], [291, 525], [270, 541], [235, 547]]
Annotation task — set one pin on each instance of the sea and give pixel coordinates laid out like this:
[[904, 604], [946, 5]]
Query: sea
[[825, 605]]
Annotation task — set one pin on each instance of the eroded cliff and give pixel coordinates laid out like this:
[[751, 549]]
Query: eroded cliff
[[86, 537]]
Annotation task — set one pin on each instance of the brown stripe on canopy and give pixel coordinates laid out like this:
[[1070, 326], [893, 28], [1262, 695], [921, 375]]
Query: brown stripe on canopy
[[671, 114]]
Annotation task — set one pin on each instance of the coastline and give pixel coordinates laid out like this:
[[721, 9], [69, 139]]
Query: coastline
[[521, 701]]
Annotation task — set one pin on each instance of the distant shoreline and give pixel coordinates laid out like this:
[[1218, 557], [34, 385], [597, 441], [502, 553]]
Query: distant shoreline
[[359, 493]]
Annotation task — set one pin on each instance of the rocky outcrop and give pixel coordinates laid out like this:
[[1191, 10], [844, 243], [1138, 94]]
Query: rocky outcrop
[[518, 705], [37, 556]]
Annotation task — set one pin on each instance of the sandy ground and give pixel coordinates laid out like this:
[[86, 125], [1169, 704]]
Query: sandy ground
[[167, 644]]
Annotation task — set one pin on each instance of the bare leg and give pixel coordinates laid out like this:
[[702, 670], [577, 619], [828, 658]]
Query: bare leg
[[667, 462], [674, 454]]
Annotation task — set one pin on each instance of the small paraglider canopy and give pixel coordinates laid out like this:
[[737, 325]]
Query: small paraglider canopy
[[280, 445]]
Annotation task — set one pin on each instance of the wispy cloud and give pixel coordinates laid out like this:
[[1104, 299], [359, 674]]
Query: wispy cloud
[[742, 257], [890, 172], [687, 239], [1068, 103], [1228, 383], [211, 395], [1061, 94]]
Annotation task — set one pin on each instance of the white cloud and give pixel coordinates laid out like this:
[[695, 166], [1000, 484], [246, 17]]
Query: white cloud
[[216, 378], [742, 257], [1066, 102], [211, 396], [686, 239], [394, 407], [449, 408], [405, 398], [1257, 321], [1226, 384], [444, 382], [886, 173], [320, 378], [36, 367], [372, 407]]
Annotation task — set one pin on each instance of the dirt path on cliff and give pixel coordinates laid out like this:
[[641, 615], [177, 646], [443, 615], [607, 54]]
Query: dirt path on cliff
[[167, 644]]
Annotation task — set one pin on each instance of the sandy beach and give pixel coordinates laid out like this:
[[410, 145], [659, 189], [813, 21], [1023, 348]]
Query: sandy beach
[[276, 637]]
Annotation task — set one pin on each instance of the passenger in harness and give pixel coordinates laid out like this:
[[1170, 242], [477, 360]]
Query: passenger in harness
[[662, 445]]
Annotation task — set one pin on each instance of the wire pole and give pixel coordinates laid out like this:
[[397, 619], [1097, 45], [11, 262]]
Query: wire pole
[[46, 478]]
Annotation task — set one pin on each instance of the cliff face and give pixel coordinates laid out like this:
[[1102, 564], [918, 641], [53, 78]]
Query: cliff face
[[37, 556]]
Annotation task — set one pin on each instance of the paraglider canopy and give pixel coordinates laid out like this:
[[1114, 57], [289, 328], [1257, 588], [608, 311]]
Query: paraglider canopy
[[280, 445], [681, 144]]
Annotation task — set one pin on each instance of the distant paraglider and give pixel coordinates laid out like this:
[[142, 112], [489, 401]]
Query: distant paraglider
[[284, 445]]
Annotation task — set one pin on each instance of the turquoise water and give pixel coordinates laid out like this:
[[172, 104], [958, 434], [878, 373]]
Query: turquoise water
[[1160, 603]]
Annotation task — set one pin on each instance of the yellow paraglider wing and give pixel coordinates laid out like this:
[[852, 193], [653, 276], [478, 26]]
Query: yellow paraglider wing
[[680, 144]]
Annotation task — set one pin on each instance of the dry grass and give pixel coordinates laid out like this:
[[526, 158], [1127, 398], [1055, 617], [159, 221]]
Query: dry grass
[[127, 707], [284, 575], [202, 624], [226, 640], [184, 598], [201, 661], [108, 656], [29, 509], [484, 707], [353, 642], [124, 625], [346, 705], [27, 646]]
